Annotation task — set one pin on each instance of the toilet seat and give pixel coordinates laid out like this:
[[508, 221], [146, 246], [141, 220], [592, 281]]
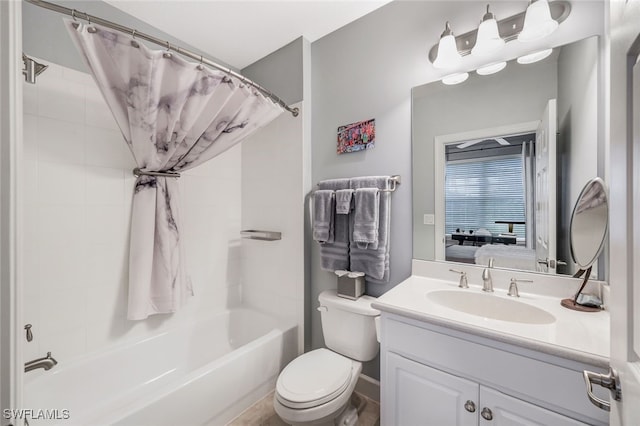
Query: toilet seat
[[313, 379]]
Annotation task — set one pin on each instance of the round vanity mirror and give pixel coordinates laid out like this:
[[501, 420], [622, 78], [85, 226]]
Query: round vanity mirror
[[589, 224], [587, 233]]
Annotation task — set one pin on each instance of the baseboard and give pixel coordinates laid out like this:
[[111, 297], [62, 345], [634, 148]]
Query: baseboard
[[368, 387]]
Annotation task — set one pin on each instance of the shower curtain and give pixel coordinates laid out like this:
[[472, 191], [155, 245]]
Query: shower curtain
[[174, 115]]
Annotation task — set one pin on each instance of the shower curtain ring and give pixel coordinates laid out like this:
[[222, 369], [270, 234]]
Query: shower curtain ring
[[73, 14], [200, 67], [133, 33]]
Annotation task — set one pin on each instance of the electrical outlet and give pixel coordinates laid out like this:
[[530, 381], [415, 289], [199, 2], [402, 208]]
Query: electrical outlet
[[429, 219]]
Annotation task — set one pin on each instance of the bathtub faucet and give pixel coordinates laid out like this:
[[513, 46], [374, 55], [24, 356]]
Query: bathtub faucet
[[46, 362]]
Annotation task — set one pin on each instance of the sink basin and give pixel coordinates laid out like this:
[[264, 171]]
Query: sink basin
[[490, 306]]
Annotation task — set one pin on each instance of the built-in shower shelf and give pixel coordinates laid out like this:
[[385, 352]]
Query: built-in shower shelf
[[254, 234]]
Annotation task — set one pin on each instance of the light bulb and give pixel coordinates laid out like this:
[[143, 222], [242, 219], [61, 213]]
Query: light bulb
[[537, 22], [491, 69], [458, 78], [534, 57], [448, 55], [488, 39]]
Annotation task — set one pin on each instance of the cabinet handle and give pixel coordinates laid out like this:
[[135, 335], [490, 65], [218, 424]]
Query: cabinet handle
[[486, 414], [470, 406]]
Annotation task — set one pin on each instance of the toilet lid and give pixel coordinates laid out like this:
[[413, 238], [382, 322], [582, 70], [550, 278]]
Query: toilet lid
[[313, 378]]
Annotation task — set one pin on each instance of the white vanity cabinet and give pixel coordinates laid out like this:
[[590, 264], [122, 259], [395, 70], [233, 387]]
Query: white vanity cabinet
[[434, 375]]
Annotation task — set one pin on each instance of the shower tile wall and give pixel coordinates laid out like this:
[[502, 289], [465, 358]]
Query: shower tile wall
[[273, 200], [77, 201]]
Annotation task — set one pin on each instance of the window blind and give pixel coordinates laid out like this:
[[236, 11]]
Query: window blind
[[479, 192]]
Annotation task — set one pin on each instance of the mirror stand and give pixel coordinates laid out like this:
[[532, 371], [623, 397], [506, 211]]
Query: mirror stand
[[573, 303]]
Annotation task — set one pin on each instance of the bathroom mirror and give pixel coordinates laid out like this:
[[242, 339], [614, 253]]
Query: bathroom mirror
[[490, 180]]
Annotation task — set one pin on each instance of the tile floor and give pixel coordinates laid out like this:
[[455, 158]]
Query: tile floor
[[262, 414]]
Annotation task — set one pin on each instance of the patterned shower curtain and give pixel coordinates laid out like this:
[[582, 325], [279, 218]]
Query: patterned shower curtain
[[174, 115]]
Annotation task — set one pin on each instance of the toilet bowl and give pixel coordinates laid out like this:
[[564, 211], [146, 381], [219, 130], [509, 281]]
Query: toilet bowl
[[316, 387]]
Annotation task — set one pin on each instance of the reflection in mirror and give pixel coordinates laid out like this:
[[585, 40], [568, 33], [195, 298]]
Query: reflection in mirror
[[499, 161]]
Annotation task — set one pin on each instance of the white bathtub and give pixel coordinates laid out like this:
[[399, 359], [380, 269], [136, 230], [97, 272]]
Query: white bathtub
[[204, 373]]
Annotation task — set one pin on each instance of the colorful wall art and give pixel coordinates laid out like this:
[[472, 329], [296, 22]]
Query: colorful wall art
[[357, 136]]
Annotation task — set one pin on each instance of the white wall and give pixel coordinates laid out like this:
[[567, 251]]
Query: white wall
[[77, 194], [578, 128], [273, 200]]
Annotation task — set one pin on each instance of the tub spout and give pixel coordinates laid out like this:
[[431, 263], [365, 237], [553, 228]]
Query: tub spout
[[47, 363]]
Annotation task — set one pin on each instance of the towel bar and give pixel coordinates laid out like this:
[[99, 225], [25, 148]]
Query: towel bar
[[254, 234]]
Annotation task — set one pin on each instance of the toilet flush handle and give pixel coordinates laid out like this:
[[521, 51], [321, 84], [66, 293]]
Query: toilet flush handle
[[322, 308]]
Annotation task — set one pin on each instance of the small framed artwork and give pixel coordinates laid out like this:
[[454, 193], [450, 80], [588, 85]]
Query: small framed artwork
[[357, 136]]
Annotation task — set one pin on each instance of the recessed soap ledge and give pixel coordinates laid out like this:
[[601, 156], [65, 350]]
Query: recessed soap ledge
[[578, 336]]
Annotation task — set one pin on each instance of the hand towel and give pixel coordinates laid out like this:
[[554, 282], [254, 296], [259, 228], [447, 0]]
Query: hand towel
[[343, 201], [365, 218], [323, 208], [374, 262], [335, 255]]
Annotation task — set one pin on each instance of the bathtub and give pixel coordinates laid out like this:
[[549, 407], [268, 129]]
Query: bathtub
[[204, 373]]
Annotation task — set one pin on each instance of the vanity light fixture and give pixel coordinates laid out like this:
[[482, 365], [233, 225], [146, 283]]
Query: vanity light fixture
[[534, 57], [540, 19], [538, 22], [488, 39], [458, 78], [448, 55], [491, 69]]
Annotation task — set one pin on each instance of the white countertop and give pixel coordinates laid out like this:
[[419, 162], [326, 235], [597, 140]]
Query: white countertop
[[579, 336]]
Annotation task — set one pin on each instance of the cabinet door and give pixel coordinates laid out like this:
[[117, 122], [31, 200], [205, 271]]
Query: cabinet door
[[418, 395], [508, 411]]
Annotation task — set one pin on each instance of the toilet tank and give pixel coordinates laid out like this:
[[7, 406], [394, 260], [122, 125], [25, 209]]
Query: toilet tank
[[349, 325]]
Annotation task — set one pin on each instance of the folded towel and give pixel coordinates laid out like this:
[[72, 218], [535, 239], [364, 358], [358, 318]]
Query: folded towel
[[365, 218], [374, 262], [343, 201], [335, 255], [323, 207]]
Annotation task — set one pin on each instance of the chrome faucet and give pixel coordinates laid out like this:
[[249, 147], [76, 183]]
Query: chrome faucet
[[487, 282], [47, 363]]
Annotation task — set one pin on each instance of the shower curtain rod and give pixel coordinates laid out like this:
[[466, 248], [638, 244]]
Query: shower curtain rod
[[182, 51]]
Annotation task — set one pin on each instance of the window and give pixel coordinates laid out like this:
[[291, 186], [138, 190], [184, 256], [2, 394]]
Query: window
[[481, 191]]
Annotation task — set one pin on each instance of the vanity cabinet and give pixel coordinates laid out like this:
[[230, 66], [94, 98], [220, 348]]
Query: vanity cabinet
[[431, 375]]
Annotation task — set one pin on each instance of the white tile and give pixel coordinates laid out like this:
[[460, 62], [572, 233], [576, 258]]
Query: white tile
[[61, 225], [107, 302], [62, 310], [78, 77], [65, 346], [107, 265], [61, 267], [61, 99], [30, 137], [29, 98], [60, 141], [105, 148], [105, 185], [30, 179], [98, 113], [105, 225], [60, 183]]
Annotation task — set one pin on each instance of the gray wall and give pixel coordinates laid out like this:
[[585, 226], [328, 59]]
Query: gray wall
[[365, 70], [44, 36], [281, 72], [517, 94], [578, 128]]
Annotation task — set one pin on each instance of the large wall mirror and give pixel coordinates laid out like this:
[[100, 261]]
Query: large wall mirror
[[499, 161]]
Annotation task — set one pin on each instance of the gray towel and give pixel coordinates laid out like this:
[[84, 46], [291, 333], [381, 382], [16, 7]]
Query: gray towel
[[323, 206], [343, 201], [335, 255], [365, 218], [374, 262]]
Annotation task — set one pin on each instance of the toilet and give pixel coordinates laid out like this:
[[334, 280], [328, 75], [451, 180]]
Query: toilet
[[316, 387]]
